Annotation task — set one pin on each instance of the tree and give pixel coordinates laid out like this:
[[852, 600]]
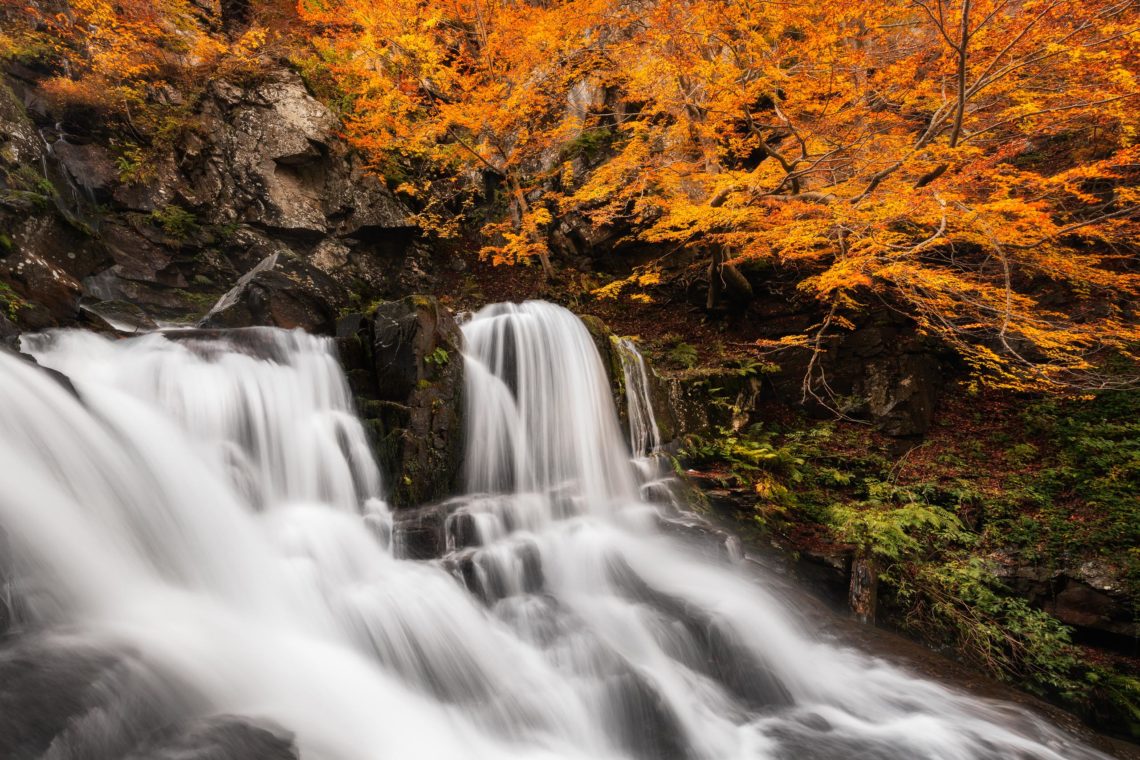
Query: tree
[[971, 163]]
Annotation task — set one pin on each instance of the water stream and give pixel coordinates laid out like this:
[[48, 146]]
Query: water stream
[[209, 510]]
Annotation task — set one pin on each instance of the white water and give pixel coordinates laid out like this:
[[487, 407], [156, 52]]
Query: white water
[[209, 505], [644, 435]]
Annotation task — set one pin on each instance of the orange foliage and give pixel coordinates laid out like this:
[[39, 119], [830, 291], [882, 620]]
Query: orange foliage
[[972, 163], [966, 161], [135, 61]]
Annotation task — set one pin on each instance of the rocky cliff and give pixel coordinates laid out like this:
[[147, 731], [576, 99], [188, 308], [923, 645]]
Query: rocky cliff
[[255, 199]]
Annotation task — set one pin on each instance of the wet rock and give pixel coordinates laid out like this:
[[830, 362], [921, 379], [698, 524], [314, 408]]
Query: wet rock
[[221, 738], [88, 166], [405, 363], [420, 533], [610, 351], [417, 350], [118, 316], [462, 531], [864, 592], [7, 607], [85, 701], [712, 542], [281, 291], [9, 333]]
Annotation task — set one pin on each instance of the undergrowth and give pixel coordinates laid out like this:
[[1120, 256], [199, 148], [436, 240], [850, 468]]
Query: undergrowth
[[1054, 486]]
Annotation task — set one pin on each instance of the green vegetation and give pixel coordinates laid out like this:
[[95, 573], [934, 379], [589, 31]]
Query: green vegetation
[[10, 301], [679, 353], [175, 221], [439, 357], [24, 187], [1058, 486], [589, 144]]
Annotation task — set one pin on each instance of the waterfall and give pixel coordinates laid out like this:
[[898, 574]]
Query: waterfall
[[644, 435], [201, 511]]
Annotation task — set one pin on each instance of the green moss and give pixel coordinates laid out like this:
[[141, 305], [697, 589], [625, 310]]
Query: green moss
[[589, 144], [175, 221]]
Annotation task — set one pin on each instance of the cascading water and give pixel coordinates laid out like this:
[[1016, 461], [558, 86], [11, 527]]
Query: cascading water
[[644, 435], [209, 512]]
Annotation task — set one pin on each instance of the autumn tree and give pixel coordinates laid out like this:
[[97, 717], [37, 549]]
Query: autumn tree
[[968, 162]]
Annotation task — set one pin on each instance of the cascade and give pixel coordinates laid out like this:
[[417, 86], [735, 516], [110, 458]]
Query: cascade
[[644, 435], [204, 508]]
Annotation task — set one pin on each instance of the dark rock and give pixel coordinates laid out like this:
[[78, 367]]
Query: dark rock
[[416, 348], [281, 291], [1091, 597], [84, 701], [221, 738], [901, 392], [50, 295], [7, 608], [88, 166], [611, 354], [9, 333], [462, 532], [420, 533], [118, 316], [265, 169], [49, 237]]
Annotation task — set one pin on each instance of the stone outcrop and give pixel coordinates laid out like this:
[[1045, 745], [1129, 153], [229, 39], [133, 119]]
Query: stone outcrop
[[259, 172], [659, 388], [405, 363], [282, 290], [1091, 597]]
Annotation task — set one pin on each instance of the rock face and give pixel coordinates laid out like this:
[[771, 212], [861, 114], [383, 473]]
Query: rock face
[[1090, 597], [406, 365], [259, 172], [274, 163]]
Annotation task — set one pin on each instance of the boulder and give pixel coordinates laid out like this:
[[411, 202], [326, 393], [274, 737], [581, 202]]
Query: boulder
[[417, 349], [900, 392], [282, 290], [117, 316], [60, 697], [405, 363]]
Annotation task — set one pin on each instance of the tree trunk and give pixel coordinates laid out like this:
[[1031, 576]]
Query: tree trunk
[[524, 207], [715, 282]]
